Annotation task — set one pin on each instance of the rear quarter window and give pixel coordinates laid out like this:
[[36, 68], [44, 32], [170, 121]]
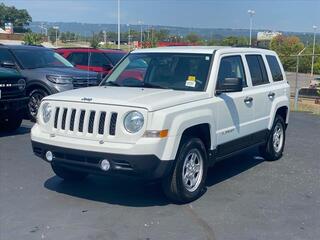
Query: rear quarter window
[[275, 68]]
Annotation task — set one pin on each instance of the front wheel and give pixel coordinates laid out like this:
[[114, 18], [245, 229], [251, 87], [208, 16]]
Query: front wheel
[[35, 97], [187, 181], [273, 149], [67, 174]]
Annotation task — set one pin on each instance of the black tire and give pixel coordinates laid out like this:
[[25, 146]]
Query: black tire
[[11, 123], [173, 185], [35, 97], [67, 174], [269, 151]]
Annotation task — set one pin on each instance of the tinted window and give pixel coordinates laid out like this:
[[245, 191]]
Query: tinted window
[[275, 68], [231, 67], [187, 72], [5, 56], [79, 58], [98, 60], [115, 57], [257, 70], [34, 58]]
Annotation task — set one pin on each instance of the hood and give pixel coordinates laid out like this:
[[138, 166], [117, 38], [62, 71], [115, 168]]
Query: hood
[[148, 98], [73, 72]]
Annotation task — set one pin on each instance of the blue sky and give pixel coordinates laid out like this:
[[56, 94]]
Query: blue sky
[[285, 15]]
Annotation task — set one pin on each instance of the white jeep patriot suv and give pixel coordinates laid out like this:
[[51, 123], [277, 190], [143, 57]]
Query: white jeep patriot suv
[[169, 114]]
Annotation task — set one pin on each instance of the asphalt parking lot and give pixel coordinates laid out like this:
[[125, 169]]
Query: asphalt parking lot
[[246, 197]]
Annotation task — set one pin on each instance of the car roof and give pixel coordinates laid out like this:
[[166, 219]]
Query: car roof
[[80, 49], [202, 50], [27, 47]]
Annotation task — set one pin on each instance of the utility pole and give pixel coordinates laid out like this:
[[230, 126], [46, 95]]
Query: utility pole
[[296, 96], [140, 22], [57, 29], [251, 14], [314, 45], [119, 33]]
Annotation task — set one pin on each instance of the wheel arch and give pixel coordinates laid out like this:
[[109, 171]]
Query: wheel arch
[[282, 109]]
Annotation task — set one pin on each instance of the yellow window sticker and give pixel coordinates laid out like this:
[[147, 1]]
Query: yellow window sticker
[[192, 78]]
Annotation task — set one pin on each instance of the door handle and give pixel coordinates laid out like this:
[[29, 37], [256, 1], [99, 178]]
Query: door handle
[[248, 100], [271, 94]]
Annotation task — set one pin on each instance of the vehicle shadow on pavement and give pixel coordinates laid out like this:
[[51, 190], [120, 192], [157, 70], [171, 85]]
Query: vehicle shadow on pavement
[[132, 192], [233, 166], [124, 191], [21, 131]]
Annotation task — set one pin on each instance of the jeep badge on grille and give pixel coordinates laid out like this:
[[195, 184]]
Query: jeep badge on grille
[[86, 99]]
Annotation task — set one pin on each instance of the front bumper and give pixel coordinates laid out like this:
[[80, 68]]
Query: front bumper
[[144, 166], [13, 106]]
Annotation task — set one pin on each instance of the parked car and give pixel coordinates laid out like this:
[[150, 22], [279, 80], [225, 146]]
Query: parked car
[[91, 59], [13, 99], [194, 107], [315, 83], [46, 72]]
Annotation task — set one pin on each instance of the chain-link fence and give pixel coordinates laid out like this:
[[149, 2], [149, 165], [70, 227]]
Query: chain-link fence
[[302, 74]]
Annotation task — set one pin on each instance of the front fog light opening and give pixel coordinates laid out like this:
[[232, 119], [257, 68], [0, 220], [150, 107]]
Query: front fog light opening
[[49, 156], [105, 165]]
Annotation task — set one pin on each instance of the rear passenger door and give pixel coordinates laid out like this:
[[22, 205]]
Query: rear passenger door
[[262, 92], [235, 109]]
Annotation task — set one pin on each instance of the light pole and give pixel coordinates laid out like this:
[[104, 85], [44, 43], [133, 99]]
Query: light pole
[[57, 29], [119, 33], [140, 22], [314, 45], [129, 36], [251, 14]]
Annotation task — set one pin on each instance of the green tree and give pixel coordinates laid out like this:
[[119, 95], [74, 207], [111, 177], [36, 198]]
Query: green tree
[[286, 46], [19, 18], [32, 39], [193, 38], [95, 40]]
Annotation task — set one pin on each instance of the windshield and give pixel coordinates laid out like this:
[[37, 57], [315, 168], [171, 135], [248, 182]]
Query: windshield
[[187, 72], [30, 59], [115, 57]]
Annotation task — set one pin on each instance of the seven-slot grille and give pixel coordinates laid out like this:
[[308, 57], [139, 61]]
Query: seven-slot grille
[[85, 121]]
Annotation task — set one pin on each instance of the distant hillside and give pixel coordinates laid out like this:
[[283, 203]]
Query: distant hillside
[[86, 29]]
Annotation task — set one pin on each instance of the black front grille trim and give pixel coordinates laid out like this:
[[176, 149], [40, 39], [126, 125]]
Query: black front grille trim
[[91, 121], [102, 122], [81, 120], [56, 117], [113, 124]]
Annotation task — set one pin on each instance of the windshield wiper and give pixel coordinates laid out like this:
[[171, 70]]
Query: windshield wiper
[[112, 84], [150, 85]]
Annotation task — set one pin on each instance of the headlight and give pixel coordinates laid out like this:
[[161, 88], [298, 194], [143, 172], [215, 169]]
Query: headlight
[[21, 84], [60, 79], [133, 122], [46, 112]]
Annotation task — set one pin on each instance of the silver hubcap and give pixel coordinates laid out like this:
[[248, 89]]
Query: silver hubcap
[[278, 137], [192, 170]]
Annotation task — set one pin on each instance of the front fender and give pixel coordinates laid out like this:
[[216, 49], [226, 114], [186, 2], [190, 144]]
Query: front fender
[[184, 121]]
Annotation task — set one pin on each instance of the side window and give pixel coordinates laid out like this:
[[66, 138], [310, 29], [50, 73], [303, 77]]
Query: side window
[[98, 60], [231, 67], [257, 69], [274, 68], [78, 58], [5, 56]]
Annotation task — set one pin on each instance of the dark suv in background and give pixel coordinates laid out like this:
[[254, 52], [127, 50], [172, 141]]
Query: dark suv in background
[[13, 100], [91, 59], [46, 72]]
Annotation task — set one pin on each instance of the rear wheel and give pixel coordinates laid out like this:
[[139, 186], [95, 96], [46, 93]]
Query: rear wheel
[[67, 174], [187, 181], [273, 149], [35, 97]]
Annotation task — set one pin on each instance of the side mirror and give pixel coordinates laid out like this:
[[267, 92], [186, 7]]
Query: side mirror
[[230, 85], [8, 64], [107, 67]]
